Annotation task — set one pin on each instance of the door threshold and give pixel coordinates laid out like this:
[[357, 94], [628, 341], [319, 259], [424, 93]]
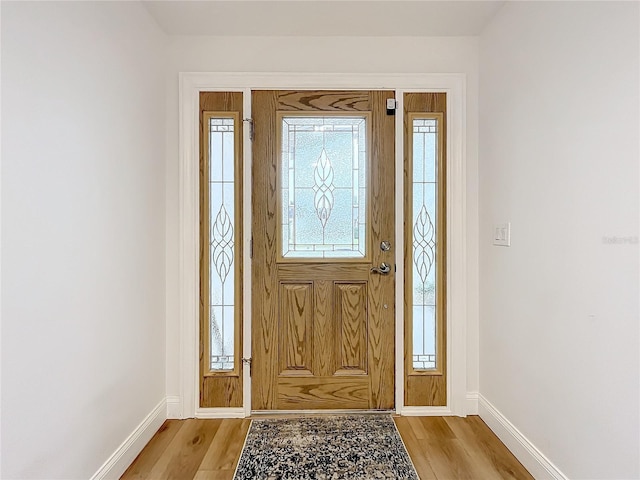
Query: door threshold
[[293, 413]]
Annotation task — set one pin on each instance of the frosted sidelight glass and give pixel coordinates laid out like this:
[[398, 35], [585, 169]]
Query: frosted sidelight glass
[[323, 186], [425, 155], [221, 243]]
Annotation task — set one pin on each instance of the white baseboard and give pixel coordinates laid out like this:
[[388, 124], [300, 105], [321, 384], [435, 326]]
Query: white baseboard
[[425, 411], [226, 412], [538, 465], [471, 405], [126, 453], [470, 408], [174, 407]]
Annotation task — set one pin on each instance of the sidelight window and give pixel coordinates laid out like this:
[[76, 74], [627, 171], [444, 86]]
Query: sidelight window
[[425, 240], [222, 240]]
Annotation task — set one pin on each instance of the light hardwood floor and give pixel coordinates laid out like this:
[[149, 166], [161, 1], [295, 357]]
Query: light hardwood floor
[[440, 447]]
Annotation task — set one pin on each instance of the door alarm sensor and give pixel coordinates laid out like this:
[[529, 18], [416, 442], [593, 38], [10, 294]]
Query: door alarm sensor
[[391, 106]]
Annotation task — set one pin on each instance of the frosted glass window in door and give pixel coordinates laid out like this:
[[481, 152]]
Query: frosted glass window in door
[[324, 186], [222, 243], [424, 211]]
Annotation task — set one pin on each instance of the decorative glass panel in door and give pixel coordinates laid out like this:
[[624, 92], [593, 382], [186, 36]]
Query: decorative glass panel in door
[[221, 242], [424, 215], [324, 180]]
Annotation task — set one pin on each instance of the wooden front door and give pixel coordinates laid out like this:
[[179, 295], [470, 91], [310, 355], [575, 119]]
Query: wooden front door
[[323, 321]]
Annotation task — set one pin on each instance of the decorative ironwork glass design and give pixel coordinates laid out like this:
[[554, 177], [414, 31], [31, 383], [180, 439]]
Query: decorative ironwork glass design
[[425, 186], [323, 186], [221, 243]]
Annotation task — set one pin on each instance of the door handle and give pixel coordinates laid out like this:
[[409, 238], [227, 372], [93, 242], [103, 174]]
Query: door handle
[[383, 269]]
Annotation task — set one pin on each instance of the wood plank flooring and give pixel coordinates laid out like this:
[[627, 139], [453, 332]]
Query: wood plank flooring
[[440, 448], [457, 448]]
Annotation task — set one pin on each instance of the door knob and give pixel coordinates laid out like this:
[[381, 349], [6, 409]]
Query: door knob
[[383, 269]]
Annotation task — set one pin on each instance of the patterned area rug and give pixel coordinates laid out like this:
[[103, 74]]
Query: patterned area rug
[[325, 448]]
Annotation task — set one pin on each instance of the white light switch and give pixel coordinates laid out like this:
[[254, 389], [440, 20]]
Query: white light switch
[[502, 234]]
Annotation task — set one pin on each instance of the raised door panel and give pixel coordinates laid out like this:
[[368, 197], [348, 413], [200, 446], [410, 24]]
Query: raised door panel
[[296, 328], [351, 316]]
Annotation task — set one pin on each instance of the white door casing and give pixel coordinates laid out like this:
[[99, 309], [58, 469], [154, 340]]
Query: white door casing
[[191, 84]]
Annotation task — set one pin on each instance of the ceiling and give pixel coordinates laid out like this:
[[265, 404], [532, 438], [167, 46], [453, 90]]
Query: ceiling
[[323, 17]]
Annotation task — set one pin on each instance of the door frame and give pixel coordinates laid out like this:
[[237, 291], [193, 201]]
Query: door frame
[[190, 86]]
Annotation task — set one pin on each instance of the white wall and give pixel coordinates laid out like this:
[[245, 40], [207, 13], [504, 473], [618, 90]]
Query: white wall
[[559, 159], [83, 321], [318, 55]]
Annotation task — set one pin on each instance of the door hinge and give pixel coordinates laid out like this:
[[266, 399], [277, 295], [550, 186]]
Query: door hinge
[[248, 362], [250, 120], [251, 248]]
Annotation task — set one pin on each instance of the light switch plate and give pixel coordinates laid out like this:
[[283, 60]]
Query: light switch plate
[[502, 234]]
